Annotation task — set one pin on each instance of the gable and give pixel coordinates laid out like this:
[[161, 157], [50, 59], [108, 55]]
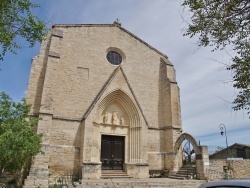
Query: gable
[[116, 26], [118, 86]]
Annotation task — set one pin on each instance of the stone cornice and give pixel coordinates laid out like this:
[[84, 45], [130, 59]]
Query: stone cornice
[[163, 128]]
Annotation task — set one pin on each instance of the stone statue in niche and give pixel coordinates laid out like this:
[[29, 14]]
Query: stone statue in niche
[[105, 118], [122, 121], [115, 118]]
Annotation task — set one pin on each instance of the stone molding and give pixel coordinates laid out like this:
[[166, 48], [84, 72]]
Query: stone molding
[[57, 33], [119, 68], [166, 127], [54, 54]]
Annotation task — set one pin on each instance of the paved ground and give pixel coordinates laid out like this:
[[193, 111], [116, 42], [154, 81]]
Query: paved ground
[[140, 183]]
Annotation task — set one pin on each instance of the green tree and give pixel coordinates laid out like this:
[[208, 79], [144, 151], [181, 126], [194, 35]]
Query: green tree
[[222, 24], [18, 141], [17, 21], [218, 149]]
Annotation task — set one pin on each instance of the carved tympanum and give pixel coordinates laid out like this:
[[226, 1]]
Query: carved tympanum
[[105, 118], [113, 118]]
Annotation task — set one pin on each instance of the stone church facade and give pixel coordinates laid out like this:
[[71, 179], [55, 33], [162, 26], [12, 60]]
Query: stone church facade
[[107, 101]]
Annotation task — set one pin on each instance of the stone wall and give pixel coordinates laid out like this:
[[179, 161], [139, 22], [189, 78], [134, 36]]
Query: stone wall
[[77, 70], [63, 159], [239, 169], [156, 149], [65, 137]]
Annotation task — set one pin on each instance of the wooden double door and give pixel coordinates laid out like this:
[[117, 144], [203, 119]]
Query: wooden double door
[[112, 152]]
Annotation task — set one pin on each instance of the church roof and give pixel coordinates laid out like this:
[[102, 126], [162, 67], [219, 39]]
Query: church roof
[[115, 24]]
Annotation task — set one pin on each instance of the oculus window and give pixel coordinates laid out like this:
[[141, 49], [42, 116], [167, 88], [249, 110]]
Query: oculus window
[[114, 58]]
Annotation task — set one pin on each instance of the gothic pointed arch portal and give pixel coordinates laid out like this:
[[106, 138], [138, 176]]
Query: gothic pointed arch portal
[[119, 112]]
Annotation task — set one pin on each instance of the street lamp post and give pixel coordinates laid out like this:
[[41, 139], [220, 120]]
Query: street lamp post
[[225, 168], [222, 128]]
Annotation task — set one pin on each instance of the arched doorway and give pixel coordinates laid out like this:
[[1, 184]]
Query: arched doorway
[[188, 154], [117, 131], [119, 111], [201, 155]]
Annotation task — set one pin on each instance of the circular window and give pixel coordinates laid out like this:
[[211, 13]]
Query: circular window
[[114, 58]]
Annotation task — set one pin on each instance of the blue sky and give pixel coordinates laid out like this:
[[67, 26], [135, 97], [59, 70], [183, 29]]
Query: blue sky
[[205, 87]]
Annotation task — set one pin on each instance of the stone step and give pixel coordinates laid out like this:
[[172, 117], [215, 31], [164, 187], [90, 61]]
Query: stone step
[[181, 177], [107, 174], [188, 167], [113, 172], [184, 173], [177, 177], [187, 170], [183, 169], [115, 176]]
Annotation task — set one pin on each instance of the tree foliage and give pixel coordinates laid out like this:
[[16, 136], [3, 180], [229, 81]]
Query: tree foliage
[[218, 149], [17, 21], [18, 141], [225, 23]]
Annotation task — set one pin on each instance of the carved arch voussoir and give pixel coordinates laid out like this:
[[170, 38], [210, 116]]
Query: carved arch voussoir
[[191, 139], [120, 97]]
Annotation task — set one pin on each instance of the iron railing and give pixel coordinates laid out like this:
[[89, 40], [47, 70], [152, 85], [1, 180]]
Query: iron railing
[[2, 185], [72, 177]]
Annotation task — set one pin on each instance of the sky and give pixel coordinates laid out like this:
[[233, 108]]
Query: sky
[[206, 90]]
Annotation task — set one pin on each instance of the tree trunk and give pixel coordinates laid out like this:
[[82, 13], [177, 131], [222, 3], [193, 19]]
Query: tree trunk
[[1, 171]]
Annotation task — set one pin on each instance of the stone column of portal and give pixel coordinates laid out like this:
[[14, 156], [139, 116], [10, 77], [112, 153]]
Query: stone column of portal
[[136, 167], [91, 166], [202, 163]]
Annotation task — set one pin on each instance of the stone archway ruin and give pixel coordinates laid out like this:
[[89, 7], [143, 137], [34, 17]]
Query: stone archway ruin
[[190, 138], [201, 154]]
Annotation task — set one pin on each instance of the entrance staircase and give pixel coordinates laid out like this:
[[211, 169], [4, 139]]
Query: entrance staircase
[[185, 172], [119, 179], [108, 174]]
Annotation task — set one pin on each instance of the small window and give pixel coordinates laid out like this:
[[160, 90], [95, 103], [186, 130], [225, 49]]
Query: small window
[[114, 58]]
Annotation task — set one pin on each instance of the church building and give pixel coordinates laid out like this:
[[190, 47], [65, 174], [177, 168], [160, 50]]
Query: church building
[[108, 102]]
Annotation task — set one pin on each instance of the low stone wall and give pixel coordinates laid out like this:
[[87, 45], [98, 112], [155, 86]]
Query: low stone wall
[[238, 169]]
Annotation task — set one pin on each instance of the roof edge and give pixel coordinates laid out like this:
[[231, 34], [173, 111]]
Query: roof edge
[[111, 25]]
